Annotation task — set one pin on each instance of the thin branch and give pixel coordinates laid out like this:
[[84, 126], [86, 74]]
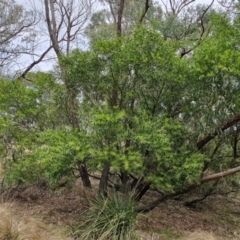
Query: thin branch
[[190, 188], [199, 40], [35, 62], [112, 12], [147, 6], [201, 143], [183, 4]]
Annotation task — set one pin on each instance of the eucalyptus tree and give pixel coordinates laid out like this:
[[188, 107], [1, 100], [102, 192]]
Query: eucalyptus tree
[[182, 21], [16, 25], [121, 17]]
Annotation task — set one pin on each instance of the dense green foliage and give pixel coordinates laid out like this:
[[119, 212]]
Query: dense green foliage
[[141, 134], [131, 109]]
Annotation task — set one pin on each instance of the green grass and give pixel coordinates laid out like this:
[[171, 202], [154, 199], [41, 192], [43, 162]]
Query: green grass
[[109, 218]]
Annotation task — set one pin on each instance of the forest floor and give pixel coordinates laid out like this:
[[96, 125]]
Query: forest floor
[[46, 215]]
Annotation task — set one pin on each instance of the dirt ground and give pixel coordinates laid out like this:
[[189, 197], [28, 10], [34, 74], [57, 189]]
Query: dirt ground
[[215, 218]]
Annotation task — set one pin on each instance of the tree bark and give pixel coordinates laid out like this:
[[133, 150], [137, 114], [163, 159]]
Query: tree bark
[[220, 175], [147, 6], [51, 24], [120, 15], [141, 191], [84, 176], [124, 179], [104, 179]]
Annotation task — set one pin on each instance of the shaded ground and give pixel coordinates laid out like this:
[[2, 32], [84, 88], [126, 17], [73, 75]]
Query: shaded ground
[[216, 218]]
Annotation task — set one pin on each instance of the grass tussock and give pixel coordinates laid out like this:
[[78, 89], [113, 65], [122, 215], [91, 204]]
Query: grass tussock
[[13, 227], [109, 218]]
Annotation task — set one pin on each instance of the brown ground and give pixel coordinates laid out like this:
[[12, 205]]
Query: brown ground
[[216, 218]]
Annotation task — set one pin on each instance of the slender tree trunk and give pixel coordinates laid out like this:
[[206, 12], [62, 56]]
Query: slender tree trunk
[[51, 24], [104, 179], [72, 108], [120, 15], [113, 101], [75, 124], [84, 176], [124, 179]]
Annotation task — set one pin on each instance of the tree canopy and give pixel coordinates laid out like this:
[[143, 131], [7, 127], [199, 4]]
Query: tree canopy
[[151, 104]]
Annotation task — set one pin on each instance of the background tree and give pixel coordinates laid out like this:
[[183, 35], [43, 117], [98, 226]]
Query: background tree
[[62, 24], [16, 25], [65, 21]]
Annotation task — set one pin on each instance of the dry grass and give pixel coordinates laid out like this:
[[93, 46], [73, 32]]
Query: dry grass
[[64, 208], [199, 235], [196, 235], [14, 227]]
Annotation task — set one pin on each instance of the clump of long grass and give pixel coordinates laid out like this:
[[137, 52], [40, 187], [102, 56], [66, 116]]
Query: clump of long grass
[[14, 227], [8, 229], [109, 217]]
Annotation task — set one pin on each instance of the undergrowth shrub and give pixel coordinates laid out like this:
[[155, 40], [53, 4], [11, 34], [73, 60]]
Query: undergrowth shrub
[[109, 217]]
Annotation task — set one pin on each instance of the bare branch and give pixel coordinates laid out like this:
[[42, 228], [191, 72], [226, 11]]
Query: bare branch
[[202, 17], [220, 175], [15, 24], [112, 12], [203, 31], [175, 6], [35, 62], [184, 4], [147, 6]]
